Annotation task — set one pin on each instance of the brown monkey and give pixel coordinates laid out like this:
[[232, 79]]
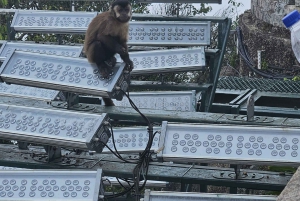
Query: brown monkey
[[107, 35]]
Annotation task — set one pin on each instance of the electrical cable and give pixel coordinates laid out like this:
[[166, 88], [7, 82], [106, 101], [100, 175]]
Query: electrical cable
[[249, 62]]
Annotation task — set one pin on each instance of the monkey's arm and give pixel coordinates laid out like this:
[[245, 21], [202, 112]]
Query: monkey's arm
[[112, 44]]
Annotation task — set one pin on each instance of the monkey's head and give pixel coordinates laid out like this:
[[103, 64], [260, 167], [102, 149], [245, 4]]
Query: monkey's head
[[121, 9]]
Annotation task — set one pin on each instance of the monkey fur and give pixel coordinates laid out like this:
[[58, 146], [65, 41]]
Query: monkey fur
[[107, 34]]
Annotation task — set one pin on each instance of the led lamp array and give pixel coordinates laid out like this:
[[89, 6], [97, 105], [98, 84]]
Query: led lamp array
[[52, 22], [63, 73], [132, 140], [166, 61], [54, 127], [166, 33], [59, 50], [14, 90], [19, 185], [229, 144], [140, 32], [162, 100], [178, 196]]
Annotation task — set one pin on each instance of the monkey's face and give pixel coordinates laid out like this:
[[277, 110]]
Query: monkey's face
[[122, 13]]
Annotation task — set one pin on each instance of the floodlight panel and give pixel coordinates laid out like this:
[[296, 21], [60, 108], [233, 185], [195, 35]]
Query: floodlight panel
[[20, 91], [132, 140], [162, 100], [63, 73], [53, 127], [180, 1], [59, 50], [178, 196], [47, 185], [230, 144], [166, 61], [166, 33], [52, 22]]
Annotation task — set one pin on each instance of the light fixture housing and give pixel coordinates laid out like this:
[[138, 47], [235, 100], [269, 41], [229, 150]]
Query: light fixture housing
[[168, 33], [13, 90], [162, 100], [59, 50], [229, 144], [52, 22], [132, 140], [178, 196], [166, 61], [39, 185], [54, 127], [75, 75]]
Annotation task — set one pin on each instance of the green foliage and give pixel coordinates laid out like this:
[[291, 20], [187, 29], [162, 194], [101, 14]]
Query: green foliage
[[282, 169], [296, 78], [264, 65]]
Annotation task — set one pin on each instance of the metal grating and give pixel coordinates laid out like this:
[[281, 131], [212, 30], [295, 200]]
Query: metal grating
[[268, 85]]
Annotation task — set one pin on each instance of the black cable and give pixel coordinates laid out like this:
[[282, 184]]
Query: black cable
[[250, 64]]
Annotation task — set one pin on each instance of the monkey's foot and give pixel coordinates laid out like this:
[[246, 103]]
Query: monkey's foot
[[105, 72]]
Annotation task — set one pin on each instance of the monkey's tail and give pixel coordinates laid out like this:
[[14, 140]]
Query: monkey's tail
[[108, 102]]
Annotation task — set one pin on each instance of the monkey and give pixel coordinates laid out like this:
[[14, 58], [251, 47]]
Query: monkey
[[107, 35]]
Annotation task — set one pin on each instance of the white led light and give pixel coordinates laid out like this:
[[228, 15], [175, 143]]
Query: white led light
[[180, 1], [167, 61], [50, 185], [13, 90], [9, 168], [53, 127], [113, 181], [132, 140], [63, 73], [169, 33], [162, 100], [52, 22], [178, 196], [59, 50], [229, 144]]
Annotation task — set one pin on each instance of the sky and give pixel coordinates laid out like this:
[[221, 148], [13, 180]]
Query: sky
[[217, 7]]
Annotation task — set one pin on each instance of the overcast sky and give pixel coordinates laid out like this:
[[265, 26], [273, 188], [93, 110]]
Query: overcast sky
[[217, 7], [241, 9]]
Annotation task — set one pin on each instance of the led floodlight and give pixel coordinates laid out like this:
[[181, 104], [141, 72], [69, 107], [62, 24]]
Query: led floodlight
[[166, 61], [132, 140], [48, 185], [63, 73], [178, 196], [180, 1], [169, 33], [54, 127], [52, 22], [14, 90], [229, 144], [59, 50], [162, 100]]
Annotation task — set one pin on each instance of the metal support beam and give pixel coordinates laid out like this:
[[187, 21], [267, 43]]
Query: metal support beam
[[186, 174]]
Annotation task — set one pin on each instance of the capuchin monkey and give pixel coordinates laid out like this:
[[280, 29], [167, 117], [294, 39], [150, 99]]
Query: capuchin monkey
[[107, 35]]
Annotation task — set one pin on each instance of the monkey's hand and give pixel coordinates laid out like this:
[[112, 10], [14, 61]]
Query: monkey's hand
[[129, 66], [121, 50]]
